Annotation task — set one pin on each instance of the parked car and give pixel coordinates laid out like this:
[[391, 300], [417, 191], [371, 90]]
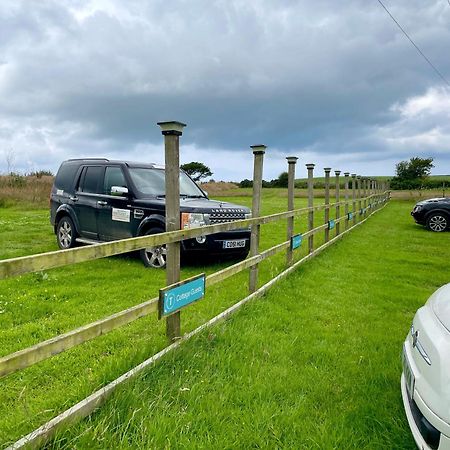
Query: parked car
[[433, 213], [98, 200], [425, 381]]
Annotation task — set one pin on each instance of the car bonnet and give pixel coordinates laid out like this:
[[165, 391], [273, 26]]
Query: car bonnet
[[440, 304]]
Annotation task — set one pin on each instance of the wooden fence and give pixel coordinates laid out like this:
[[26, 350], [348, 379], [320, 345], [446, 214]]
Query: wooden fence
[[361, 200]]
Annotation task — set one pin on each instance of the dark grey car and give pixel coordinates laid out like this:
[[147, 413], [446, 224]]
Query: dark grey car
[[98, 200], [433, 213]]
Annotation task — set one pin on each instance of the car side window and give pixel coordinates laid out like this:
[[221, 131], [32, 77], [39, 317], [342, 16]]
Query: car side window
[[90, 179], [113, 177]]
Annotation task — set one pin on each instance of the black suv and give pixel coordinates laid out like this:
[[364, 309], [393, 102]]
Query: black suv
[[434, 213], [97, 200]]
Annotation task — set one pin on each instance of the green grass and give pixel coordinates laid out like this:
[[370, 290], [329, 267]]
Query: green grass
[[314, 364], [39, 306], [279, 355]]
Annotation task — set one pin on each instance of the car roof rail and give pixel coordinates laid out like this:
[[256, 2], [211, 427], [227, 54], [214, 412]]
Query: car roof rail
[[88, 159]]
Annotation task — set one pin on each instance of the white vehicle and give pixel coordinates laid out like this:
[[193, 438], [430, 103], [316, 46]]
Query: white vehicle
[[425, 379]]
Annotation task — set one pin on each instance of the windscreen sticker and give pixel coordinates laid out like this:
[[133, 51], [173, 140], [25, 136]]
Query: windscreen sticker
[[59, 192], [121, 215]]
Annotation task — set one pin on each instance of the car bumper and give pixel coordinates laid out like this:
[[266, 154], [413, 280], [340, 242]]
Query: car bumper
[[418, 217], [214, 244], [424, 424]]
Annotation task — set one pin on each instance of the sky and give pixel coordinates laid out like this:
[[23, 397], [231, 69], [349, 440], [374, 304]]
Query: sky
[[333, 83]]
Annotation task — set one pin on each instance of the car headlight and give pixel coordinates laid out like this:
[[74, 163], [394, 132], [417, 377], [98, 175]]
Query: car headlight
[[193, 220], [417, 208]]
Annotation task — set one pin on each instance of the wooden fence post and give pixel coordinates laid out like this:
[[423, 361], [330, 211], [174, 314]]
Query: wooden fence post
[[172, 132], [359, 195], [374, 190], [310, 168], [327, 201], [258, 152], [367, 194], [292, 161], [338, 199], [364, 187], [354, 197], [346, 175]]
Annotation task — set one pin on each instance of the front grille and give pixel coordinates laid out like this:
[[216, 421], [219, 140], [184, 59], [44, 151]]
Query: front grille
[[226, 215], [430, 434]]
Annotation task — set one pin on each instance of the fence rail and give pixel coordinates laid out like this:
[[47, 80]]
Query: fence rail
[[51, 347]]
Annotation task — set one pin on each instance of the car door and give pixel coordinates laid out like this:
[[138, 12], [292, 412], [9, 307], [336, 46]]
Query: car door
[[85, 202], [114, 212]]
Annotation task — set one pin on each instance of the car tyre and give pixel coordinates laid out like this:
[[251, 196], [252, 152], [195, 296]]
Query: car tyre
[[437, 222], [66, 233], [155, 257]]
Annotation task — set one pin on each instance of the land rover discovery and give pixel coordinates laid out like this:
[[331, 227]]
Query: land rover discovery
[[98, 200]]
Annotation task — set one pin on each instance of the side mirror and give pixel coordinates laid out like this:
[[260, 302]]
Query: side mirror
[[119, 191]]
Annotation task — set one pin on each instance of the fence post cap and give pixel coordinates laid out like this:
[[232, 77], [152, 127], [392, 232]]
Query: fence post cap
[[310, 166], [358, 176], [171, 127], [346, 174], [258, 149], [327, 169], [353, 175], [337, 172], [291, 159]]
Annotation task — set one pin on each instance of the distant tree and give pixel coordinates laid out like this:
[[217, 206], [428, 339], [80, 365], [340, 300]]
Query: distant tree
[[412, 174], [282, 180], [10, 159], [246, 183], [196, 170]]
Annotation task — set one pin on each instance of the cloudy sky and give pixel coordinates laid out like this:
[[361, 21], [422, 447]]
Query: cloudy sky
[[334, 83]]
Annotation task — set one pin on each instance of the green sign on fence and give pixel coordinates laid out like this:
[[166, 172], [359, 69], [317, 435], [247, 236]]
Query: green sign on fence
[[331, 224], [179, 295], [296, 241]]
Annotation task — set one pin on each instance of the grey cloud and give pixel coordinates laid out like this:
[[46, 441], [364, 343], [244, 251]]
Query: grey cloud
[[300, 76]]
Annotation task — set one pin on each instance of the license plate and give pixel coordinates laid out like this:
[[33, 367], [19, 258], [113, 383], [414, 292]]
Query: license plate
[[409, 376], [239, 243]]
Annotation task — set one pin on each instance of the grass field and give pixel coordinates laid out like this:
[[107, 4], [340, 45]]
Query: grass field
[[314, 364], [39, 306], [328, 350]]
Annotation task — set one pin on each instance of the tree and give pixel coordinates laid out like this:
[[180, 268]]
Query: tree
[[415, 168], [246, 183], [196, 170], [411, 174], [282, 180]]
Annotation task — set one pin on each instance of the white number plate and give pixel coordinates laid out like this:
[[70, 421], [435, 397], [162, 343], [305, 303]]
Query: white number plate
[[234, 244], [409, 376]]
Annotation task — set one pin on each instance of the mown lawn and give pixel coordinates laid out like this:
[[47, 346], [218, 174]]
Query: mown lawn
[[313, 364], [39, 306]]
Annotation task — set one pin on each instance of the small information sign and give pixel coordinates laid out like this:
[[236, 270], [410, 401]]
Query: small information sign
[[178, 295], [350, 216], [331, 224], [296, 241], [361, 212]]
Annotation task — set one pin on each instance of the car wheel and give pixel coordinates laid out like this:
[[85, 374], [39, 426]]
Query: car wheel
[[154, 256], [66, 233], [437, 222]]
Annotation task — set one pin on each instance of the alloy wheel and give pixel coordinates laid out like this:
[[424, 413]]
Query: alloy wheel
[[437, 223], [156, 256], [65, 234]]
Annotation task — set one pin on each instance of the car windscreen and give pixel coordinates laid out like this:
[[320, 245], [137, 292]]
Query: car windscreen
[[152, 182]]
